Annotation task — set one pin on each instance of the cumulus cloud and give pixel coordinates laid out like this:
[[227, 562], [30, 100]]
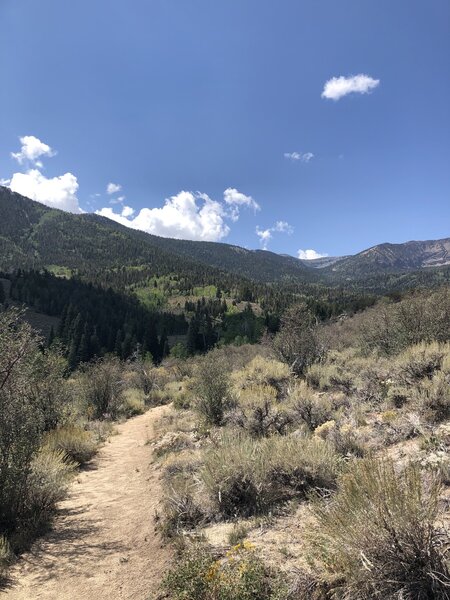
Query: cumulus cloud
[[294, 156], [310, 254], [265, 235], [338, 87], [32, 148], [127, 211], [184, 216], [57, 192], [113, 188], [187, 215]]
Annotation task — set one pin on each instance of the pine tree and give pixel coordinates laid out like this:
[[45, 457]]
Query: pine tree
[[84, 348], [151, 343], [51, 337], [192, 334], [163, 345]]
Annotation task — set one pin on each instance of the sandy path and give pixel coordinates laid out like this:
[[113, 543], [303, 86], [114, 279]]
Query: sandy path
[[103, 545]]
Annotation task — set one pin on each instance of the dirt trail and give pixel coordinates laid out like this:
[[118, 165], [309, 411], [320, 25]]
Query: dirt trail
[[103, 545]]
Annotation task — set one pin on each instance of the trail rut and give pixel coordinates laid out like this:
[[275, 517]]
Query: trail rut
[[103, 545]]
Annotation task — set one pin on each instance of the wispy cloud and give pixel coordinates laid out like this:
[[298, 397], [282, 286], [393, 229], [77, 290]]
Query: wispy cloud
[[310, 254], [236, 200], [294, 156], [338, 87], [265, 235]]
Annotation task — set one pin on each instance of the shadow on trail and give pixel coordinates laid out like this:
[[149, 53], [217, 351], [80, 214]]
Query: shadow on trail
[[65, 550]]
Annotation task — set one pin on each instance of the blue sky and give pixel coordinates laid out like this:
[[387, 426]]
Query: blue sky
[[208, 98]]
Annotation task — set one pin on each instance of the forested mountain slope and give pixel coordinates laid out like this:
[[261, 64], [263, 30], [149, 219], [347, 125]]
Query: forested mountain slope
[[34, 235]]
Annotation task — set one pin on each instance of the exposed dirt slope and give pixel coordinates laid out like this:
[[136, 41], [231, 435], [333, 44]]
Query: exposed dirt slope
[[103, 545]]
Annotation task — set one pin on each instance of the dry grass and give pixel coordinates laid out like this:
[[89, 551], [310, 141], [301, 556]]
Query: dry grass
[[74, 441]]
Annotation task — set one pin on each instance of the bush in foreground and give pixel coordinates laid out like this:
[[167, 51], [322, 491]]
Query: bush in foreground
[[50, 475], [244, 476], [74, 441], [377, 538], [240, 575], [212, 389]]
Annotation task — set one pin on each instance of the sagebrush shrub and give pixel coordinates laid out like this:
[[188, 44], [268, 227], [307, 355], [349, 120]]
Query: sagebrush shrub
[[376, 538], [243, 476], [432, 398], [421, 361], [309, 407]]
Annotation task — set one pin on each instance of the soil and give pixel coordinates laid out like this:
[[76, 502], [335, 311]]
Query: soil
[[103, 545]]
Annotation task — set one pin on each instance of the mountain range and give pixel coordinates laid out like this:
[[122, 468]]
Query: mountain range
[[34, 235]]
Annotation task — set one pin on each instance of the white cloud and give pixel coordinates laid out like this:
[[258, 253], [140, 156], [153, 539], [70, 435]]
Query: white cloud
[[236, 200], [113, 188], [306, 157], [32, 148], [337, 87], [310, 254], [188, 215], [57, 192], [127, 211], [265, 235], [184, 216]]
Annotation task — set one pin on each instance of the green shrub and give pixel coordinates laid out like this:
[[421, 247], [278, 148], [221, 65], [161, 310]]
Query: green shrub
[[212, 390], [49, 477], [22, 420], [376, 538], [133, 403], [244, 476], [74, 441], [297, 342], [237, 534], [240, 575], [103, 387]]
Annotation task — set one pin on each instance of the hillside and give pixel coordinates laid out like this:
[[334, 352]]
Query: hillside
[[34, 235]]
